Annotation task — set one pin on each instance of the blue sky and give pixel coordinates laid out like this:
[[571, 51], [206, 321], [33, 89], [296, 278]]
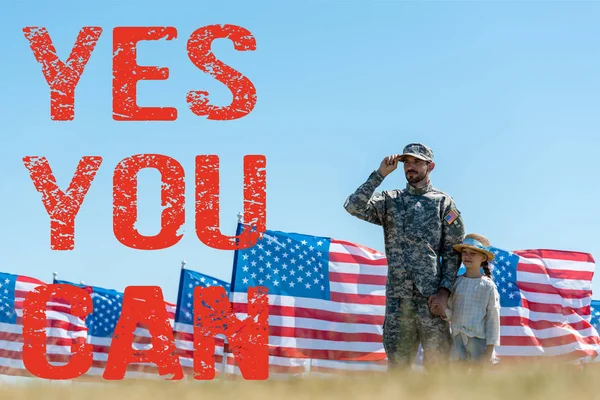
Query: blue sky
[[506, 94]]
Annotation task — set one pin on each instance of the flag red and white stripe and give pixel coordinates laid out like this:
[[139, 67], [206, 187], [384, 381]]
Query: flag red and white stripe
[[62, 330], [184, 340], [553, 318], [347, 327]]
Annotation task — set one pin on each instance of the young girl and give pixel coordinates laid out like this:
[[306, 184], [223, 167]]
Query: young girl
[[474, 304]]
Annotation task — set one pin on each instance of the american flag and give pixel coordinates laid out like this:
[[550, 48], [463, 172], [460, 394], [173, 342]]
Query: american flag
[[101, 324], [184, 329], [184, 317], [62, 328], [326, 299], [545, 298]]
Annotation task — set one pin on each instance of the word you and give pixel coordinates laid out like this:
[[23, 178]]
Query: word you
[[62, 207]]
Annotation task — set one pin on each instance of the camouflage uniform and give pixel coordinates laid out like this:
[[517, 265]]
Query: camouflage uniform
[[420, 226]]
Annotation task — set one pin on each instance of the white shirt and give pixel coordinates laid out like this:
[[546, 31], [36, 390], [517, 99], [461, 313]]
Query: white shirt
[[474, 309]]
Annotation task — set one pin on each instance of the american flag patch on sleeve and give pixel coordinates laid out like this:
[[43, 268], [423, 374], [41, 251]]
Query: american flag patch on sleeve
[[451, 216]]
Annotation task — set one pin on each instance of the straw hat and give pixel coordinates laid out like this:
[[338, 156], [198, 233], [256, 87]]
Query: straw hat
[[476, 242]]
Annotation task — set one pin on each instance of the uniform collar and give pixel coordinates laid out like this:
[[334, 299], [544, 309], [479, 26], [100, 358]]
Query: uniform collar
[[418, 191]]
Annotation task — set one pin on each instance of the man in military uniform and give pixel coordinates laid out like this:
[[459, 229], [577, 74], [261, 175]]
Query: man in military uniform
[[420, 225]]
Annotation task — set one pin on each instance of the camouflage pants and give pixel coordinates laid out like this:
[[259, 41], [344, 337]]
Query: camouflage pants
[[408, 322]]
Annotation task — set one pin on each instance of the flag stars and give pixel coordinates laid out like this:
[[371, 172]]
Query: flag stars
[[300, 272]]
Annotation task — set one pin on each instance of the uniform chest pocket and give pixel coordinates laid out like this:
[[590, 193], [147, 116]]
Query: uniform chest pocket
[[396, 216], [423, 221]]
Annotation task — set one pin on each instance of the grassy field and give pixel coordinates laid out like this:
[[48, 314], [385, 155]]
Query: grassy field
[[527, 382]]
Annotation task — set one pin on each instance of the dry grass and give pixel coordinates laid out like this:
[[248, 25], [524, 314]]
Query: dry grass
[[529, 383]]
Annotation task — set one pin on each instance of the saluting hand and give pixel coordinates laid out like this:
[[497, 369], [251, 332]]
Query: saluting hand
[[389, 164]]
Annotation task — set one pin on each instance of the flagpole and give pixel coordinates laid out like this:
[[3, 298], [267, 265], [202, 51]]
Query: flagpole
[[238, 232], [178, 307], [231, 286]]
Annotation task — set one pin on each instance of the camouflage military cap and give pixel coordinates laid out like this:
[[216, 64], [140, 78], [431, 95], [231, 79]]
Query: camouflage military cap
[[417, 150]]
